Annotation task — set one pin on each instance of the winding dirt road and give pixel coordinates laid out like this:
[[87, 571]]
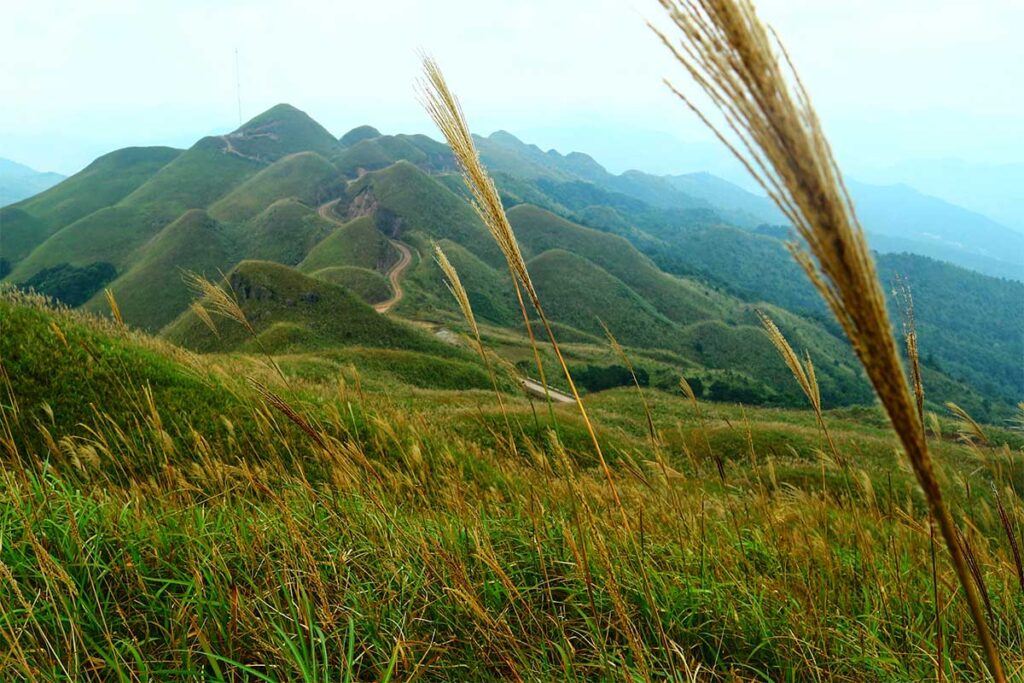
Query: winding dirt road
[[395, 272]]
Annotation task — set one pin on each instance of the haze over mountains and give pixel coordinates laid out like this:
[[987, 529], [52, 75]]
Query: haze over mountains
[[308, 227], [18, 181]]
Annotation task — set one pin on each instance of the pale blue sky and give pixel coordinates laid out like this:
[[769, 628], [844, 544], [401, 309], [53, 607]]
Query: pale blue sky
[[893, 79]]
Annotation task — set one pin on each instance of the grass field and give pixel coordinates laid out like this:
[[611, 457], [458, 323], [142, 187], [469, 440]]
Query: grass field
[[166, 520]]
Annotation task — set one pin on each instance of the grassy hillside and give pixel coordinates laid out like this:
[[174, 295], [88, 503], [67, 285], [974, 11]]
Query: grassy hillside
[[151, 293], [292, 311], [681, 301], [356, 243], [102, 183], [374, 153], [412, 522], [489, 289], [283, 232], [358, 134], [578, 293], [112, 234], [280, 131], [303, 176], [368, 285], [194, 180], [407, 200]]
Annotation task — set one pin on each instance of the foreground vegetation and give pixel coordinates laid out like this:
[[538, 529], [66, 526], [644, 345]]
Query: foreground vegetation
[[163, 519]]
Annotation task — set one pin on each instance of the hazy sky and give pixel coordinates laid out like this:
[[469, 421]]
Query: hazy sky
[[892, 79]]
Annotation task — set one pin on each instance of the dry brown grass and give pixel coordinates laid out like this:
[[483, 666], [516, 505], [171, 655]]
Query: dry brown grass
[[455, 286], [446, 112], [772, 128], [805, 377]]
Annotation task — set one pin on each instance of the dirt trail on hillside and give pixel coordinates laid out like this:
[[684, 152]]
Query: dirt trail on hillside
[[537, 389], [231, 149], [395, 272]]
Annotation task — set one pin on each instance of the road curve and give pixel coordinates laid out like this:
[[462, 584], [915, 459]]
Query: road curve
[[395, 272]]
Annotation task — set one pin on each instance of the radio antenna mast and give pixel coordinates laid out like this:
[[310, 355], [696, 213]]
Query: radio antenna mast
[[238, 88]]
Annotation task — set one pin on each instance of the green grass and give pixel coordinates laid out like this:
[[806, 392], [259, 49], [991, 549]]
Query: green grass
[[280, 131], [100, 184], [374, 152], [358, 134], [194, 180], [302, 176], [489, 289], [368, 285], [285, 232], [324, 315], [151, 292], [413, 202], [201, 534], [679, 300], [357, 243], [112, 234]]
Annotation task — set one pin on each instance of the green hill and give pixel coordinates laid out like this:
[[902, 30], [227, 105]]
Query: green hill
[[368, 285], [111, 234], [104, 182], [679, 300], [292, 311], [194, 180], [151, 293], [303, 176], [358, 134], [278, 132], [356, 243], [489, 289], [374, 153], [577, 292], [284, 232], [409, 201]]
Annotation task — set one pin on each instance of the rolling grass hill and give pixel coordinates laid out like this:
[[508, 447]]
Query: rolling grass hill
[[578, 293], [374, 153], [105, 181], [303, 176], [407, 200], [280, 131], [291, 311], [368, 285], [194, 180], [679, 300], [489, 288], [358, 134], [111, 234], [682, 251], [151, 292], [284, 232], [357, 243]]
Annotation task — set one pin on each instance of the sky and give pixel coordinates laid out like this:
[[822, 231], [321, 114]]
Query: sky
[[893, 80]]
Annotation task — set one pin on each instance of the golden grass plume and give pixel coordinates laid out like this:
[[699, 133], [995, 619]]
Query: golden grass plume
[[773, 130]]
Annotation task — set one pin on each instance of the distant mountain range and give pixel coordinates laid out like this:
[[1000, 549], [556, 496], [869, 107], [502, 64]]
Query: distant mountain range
[[994, 190], [309, 226], [18, 181]]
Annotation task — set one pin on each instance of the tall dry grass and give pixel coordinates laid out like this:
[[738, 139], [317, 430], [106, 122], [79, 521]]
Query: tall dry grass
[[773, 130], [446, 112], [458, 291]]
